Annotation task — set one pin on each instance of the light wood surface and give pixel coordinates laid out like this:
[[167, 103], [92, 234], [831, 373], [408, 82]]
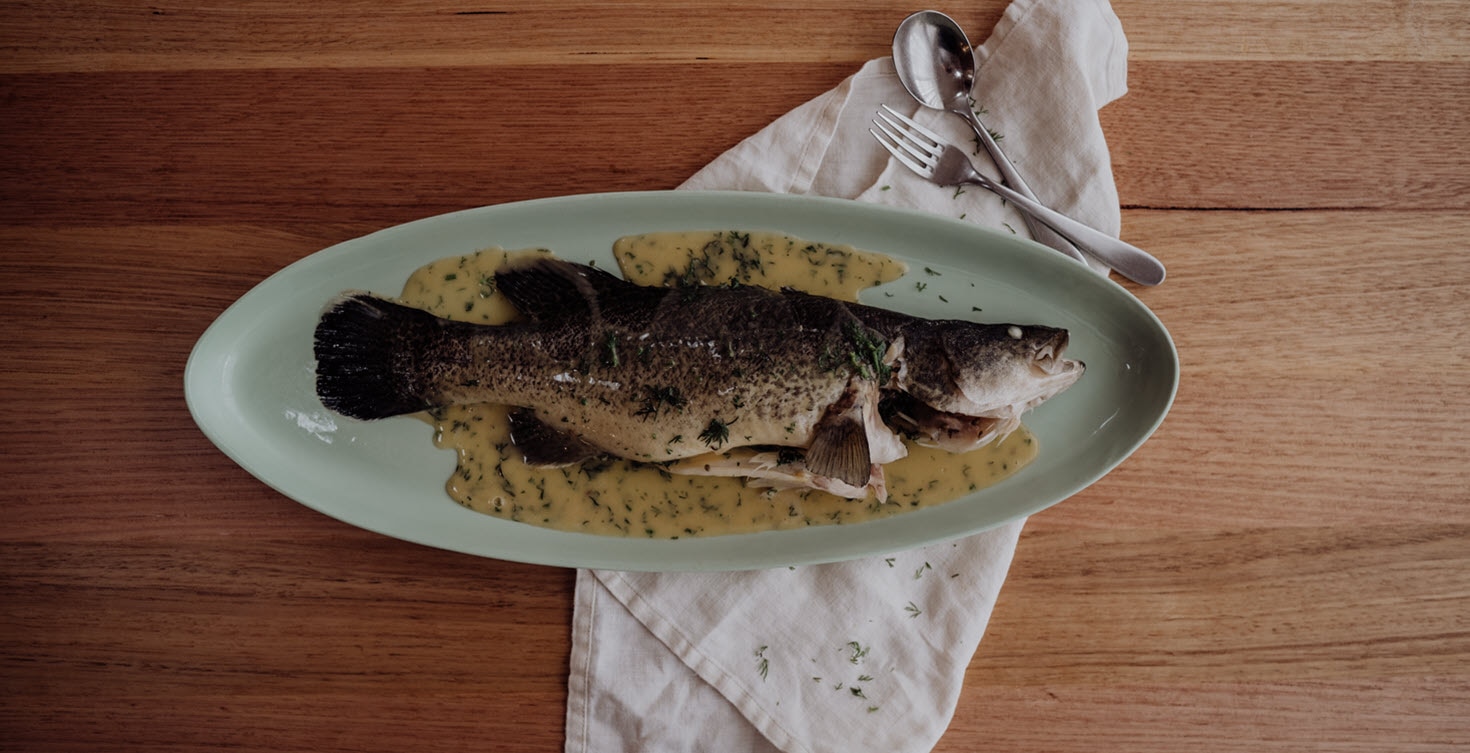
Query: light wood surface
[[1284, 566]]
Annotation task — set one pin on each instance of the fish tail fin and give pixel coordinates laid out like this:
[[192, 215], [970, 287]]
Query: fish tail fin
[[364, 356]]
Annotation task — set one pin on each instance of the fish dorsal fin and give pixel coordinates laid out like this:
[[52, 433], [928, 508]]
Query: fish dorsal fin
[[544, 446], [551, 288], [839, 447]]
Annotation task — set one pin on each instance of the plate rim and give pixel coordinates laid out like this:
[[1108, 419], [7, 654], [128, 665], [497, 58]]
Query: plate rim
[[853, 544]]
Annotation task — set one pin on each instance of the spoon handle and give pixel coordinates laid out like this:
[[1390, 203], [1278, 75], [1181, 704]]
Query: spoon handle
[[1127, 259], [1039, 231]]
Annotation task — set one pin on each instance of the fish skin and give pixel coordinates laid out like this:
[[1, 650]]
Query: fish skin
[[663, 374], [652, 374]]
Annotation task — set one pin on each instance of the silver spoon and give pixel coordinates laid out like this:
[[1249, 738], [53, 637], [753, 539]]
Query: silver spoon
[[936, 64]]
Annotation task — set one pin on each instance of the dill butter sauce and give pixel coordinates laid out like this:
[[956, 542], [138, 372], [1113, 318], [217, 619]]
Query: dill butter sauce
[[611, 496]]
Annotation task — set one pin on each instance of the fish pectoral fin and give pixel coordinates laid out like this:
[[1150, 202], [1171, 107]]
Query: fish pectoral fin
[[839, 449], [543, 446]]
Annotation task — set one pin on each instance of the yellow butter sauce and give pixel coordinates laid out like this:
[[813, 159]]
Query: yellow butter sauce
[[770, 260], [621, 498]]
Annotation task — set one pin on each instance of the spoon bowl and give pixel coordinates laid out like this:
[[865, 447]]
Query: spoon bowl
[[936, 64]]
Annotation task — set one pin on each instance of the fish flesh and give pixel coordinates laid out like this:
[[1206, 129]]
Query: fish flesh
[[782, 388]]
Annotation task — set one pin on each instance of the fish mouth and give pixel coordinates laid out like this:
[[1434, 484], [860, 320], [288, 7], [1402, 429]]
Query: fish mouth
[[1047, 360]]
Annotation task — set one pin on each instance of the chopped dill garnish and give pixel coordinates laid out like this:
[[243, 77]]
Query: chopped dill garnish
[[867, 353], [655, 398], [716, 434], [913, 610], [610, 350], [594, 466]]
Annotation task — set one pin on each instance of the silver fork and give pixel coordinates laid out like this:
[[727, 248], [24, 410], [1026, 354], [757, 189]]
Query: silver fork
[[924, 152]]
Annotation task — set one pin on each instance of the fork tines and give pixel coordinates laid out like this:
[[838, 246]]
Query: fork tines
[[907, 141]]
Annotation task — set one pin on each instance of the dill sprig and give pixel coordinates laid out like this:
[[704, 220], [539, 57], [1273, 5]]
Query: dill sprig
[[866, 356], [716, 434], [656, 398], [610, 350]]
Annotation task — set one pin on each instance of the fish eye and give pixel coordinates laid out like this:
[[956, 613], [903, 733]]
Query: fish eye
[[1014, 332]]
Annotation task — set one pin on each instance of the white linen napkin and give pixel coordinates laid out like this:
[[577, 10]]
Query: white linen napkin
[[868, 654]]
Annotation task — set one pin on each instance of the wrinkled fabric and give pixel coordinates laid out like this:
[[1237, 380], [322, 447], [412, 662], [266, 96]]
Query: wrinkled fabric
[[868, 654]]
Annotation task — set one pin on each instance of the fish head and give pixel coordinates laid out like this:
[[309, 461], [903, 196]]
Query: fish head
[[990, 370]]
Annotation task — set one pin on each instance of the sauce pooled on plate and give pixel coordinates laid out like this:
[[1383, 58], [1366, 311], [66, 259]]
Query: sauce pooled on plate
[[611, 496]]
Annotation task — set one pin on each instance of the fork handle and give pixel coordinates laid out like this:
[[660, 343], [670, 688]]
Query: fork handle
[[1039, 231], [1127, 259]]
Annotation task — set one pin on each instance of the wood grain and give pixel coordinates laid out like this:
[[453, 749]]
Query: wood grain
[[1408, 715], [1343, 134], [388, 146], [83, 36], [1282, 567], [1296, 31]]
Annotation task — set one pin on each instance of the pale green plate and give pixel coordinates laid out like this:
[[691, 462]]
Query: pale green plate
[[250, 380]]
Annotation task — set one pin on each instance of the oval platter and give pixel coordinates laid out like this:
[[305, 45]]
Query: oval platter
[[250, 380]]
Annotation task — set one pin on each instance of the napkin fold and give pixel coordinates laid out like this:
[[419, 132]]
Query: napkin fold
[[868, 654]]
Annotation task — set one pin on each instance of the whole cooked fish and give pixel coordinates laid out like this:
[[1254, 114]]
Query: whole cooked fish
[[784, 388]]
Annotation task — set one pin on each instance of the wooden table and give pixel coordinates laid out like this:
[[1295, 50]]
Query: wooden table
[[1285, 566]]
